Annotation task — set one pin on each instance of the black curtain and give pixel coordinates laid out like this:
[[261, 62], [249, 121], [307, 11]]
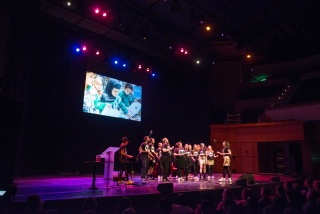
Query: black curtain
[[42, 71], [56, 136]]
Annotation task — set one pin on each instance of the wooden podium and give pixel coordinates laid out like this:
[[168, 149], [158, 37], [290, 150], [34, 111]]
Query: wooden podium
[[108, 155]]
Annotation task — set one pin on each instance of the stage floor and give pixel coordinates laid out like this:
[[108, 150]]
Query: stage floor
[[61, 187]]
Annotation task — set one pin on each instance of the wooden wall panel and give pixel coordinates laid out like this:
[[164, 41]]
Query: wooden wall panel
[[236, 164], [247, 165], [236, 155], [255, 159], [244, 137], [246, 149]]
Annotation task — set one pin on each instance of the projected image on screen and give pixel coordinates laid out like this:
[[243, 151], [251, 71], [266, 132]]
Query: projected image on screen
[[111, 97]]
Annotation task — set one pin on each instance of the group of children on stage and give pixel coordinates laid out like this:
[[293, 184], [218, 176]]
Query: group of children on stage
[[187, 159]]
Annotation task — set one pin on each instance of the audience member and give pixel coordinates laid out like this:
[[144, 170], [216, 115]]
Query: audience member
[[207, 207], [311, 205], [287, 185], [275, 208], [280, 196], [228, 198], [181, 207], [265, 200], [206, 196], [129, 210], [90, 205], [315, 186], [293, 204], [165, 205], [245, 194], [123, 204], [34, 205], [307, 185]]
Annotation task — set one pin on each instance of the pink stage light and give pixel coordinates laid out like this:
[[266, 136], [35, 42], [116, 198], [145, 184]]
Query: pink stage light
[[104, 14], [97, 52], [97, 10], [84, 48]]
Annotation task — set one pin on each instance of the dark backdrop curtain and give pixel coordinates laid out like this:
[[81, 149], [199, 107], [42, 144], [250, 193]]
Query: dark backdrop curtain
[[57, 137], [41, 71]]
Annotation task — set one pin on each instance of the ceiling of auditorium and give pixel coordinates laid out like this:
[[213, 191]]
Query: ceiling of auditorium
[[270, 30]]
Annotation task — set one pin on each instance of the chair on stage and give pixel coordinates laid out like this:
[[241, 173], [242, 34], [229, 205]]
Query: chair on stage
[[173, 171]]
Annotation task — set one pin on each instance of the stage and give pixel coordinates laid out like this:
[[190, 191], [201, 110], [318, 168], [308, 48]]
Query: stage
[[66, 192]]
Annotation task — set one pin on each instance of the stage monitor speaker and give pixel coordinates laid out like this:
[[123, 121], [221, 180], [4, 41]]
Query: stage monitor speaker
[[248, 177], [165, 188], [275, 179], [241, 182]]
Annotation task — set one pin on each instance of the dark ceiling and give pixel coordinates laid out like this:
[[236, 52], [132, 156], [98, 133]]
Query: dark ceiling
[[271, 30]]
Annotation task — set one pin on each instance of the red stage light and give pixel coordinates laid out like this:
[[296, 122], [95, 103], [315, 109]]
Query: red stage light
[[97, 52], [104, 14], [97, 10], [84, 48]]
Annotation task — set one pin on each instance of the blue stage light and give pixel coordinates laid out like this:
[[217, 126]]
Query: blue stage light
[[77, 49], [124, 65], [116, 62]]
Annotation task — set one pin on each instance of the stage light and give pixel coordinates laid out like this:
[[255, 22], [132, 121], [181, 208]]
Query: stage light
[[69, 3], [181, 50], [116, 62], [119, 21], [104, 14], [124, 65], [147, 69], [186, 52], [77, 49], [248, 56], [144, 32], [84, 48], [198, 61], [97, 10], [208, 28], [97, 52], [139, 66], [153, 74], [175, 6]]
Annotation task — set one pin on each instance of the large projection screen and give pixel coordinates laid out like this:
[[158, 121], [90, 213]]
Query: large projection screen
[[111, 97]]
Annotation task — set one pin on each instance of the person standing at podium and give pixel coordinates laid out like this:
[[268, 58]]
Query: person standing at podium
[[123, 156]]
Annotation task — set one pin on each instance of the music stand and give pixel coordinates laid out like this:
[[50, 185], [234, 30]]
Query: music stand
[[108, 154], [93, 186]]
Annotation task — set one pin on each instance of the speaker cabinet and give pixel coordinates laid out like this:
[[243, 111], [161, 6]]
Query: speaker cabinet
[[165, 188], [248, 178], [275, 179], [241, 182]]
